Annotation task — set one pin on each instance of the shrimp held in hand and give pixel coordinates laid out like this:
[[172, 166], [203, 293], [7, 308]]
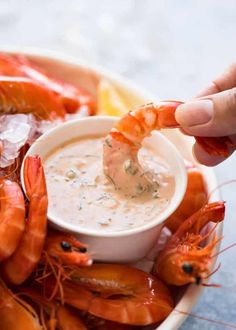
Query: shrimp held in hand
[[121, 146], [117, 293], [183, 260]]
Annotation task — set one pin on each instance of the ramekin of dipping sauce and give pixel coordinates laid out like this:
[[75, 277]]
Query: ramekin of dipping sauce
[[82, 200]]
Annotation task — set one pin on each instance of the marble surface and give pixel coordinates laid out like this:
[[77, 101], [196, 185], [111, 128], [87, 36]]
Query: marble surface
[[171, 48]]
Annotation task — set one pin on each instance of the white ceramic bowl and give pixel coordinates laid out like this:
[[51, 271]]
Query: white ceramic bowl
[[74, 70], [126, 245]]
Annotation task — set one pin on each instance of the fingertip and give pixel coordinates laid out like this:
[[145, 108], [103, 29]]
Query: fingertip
[[183, 131], [202, 157], [194, 113]]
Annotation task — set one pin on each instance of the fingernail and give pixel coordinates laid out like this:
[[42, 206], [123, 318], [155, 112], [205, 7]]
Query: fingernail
[[194, 113]]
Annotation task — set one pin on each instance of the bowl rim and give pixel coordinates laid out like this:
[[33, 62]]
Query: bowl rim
[[62, 129], [193, 292]]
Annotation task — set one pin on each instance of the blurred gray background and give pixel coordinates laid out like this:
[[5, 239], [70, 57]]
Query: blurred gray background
[[172, 48]]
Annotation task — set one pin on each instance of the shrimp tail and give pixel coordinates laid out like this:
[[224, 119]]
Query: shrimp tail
[[216, 146]]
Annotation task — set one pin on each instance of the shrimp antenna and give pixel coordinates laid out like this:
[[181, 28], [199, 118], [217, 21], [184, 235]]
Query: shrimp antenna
[[223, 250], [226, 183], [224, 324], [213, 285], [214, 271]]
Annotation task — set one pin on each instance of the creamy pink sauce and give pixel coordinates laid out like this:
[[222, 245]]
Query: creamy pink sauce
[[80, 193]]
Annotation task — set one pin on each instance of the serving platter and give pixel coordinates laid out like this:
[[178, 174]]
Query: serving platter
[[80, 73]]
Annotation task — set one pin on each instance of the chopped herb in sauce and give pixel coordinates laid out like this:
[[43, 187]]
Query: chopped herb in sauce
[[105, 222], [89, 155], [144, 173], [80, 206], [129, 167], [85, 182], [112, 181], [140, 189], [108, 142], [103, 196], [156, 194], [71, 174]]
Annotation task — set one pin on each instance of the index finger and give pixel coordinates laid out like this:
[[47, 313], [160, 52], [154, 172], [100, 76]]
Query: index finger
[[226, 81]]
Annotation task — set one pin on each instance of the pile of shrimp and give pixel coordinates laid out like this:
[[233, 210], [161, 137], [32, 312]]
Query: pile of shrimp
[[48, 281]]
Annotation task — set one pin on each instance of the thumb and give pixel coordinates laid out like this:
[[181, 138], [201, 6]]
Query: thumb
[[213, 115]]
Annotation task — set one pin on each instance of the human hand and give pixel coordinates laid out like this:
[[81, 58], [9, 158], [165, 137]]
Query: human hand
[[212, 113]]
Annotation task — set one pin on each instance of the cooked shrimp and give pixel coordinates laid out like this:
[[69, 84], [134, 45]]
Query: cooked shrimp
[[9, 66], [52, 315], [72, 97], [12, 217], [68, 320], [116, 292], [195, 197], [183, 260], [19, 266], [121, 146], [15, 313], [23, 95], [96, 323]]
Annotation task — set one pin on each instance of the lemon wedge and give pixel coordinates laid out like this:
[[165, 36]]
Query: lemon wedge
[[110, 102]]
